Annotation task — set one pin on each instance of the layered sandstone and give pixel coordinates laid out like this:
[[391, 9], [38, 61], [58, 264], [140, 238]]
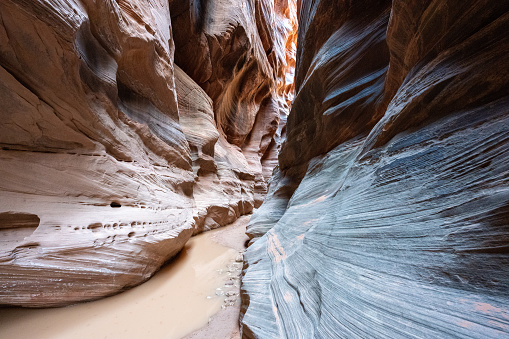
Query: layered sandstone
[[241, 56], [388, 216], [111, 155]]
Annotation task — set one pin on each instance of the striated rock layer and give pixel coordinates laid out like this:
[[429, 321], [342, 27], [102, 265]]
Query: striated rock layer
[[111, 156], [241, 55], [389, 213]]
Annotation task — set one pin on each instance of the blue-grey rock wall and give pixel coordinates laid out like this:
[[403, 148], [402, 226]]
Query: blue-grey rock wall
[[390, 219]]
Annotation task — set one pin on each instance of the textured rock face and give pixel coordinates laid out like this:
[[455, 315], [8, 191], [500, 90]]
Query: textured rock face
[[110, 156], [241, 55], [224, 183], [89, 118], [389, 214]]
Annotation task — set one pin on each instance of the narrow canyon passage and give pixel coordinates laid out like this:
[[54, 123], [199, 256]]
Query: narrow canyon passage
[[367, 142], [197, 288], [128, 127]]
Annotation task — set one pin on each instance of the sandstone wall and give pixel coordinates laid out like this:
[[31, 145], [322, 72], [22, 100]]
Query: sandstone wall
[[241, 54], [112, 156], [388, 216]]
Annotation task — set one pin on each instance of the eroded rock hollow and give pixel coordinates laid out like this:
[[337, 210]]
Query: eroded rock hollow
[[127, 127], [388, 216]]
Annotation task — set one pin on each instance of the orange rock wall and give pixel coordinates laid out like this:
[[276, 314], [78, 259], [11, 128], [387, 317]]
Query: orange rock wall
[[111, 156]]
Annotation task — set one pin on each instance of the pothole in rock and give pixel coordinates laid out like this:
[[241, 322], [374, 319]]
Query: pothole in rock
[[15, 227]]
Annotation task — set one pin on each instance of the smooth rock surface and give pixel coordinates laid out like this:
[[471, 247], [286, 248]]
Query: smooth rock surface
[[111, 157], [388, 216]]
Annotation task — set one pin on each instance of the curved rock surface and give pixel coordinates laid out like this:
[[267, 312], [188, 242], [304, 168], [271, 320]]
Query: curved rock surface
[[389, 214], [242, 55], [110, 156]]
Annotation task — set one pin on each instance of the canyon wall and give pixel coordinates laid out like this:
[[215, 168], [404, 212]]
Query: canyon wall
[[112, 156], [388, 215]]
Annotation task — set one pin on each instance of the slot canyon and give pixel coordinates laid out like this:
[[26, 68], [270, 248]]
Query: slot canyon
[[254, 169]]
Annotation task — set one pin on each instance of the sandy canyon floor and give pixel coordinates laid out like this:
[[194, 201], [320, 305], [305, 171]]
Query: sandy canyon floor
[[186, 298]]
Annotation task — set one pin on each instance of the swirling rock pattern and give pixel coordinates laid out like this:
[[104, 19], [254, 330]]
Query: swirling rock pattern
[[389, 214], [242, 55], [111, 156]]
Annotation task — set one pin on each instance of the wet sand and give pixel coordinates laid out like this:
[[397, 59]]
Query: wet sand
[[225, 324], [179, 299]]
